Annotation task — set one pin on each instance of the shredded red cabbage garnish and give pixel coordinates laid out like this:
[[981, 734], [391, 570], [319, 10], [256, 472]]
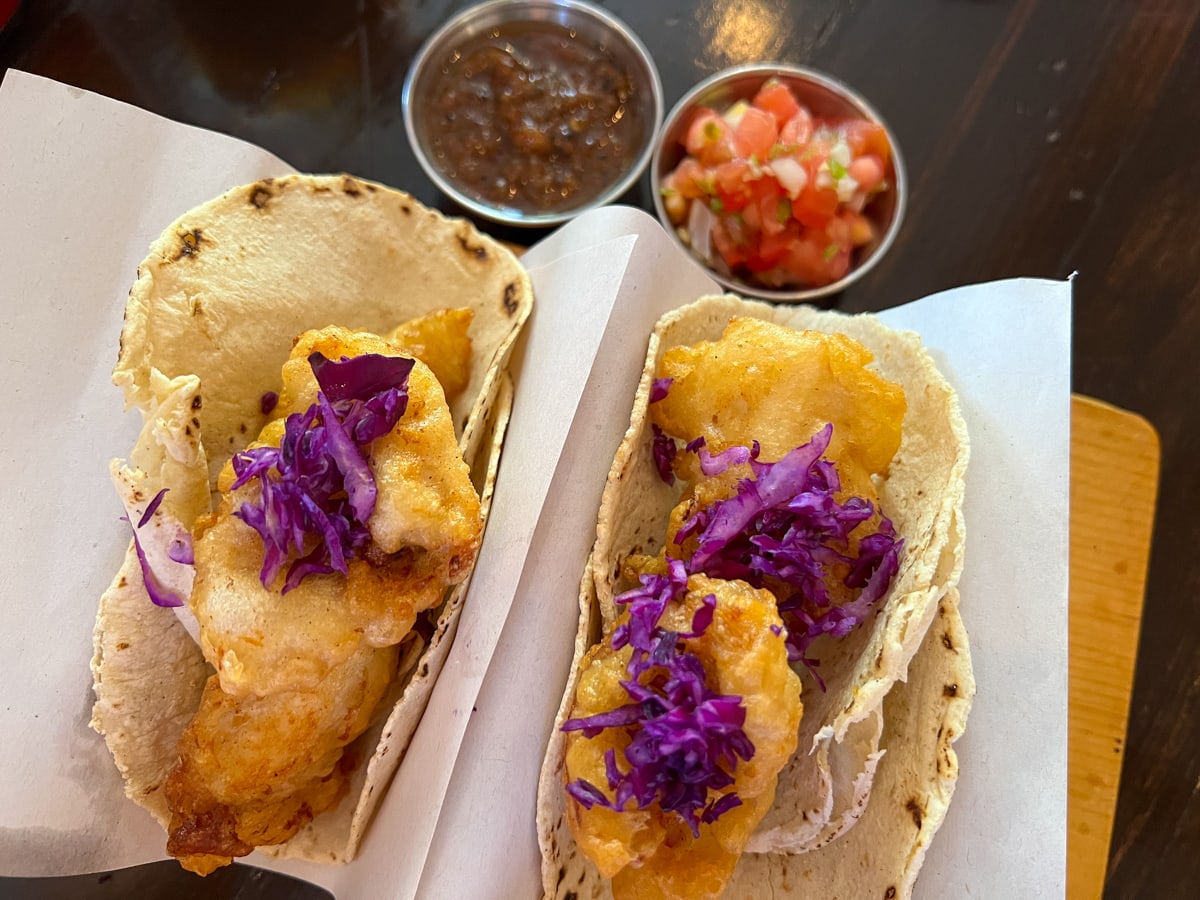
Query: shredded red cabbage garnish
[[686, 739], [659, 389], [714, 464], [267, 402], [664, 451], [151, 507], [159, 594], [317, 486], [179, 551], [784, 526]]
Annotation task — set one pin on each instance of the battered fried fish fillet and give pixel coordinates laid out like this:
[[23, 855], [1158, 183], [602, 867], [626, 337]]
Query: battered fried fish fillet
[[439, 339], [778, 386], [650, 854], [299, 675]]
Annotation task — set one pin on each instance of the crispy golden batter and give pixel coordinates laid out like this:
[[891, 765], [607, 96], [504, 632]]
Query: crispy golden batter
[[767, 383], [299, 675], [439, 339], [254, 770], [649, 854]]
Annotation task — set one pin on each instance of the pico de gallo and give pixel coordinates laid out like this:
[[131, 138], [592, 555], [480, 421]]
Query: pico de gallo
[[772, 195]]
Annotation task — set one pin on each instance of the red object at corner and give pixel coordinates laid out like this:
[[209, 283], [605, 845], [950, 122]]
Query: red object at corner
[[7, 8]]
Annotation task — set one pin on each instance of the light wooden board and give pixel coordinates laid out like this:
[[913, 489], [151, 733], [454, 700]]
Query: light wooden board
[[1111, 523]]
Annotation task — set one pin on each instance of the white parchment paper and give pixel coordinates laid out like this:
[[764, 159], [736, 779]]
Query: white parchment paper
[[87, 183]]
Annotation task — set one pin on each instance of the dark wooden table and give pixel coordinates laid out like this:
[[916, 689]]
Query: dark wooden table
[[1042, 137]]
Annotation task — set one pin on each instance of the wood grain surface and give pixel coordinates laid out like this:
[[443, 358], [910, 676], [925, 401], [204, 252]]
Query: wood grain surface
[[1041, 137], [1111, 521]]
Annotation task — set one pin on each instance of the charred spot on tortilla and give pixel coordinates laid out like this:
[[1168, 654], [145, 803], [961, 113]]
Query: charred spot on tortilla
[[196, 402], [915, 808], [476, 250], [951, 690], [889, 893], [189, 243], [510, 298], [947, 643], [261, 194], [351, 187]]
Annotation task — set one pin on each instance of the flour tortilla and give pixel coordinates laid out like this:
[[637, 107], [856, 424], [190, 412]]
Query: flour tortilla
[[882, 856], [825, 787], [228, 286], [263, 263]]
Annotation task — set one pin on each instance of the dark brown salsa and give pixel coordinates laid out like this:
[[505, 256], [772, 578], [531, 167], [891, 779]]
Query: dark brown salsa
[[533, 117]]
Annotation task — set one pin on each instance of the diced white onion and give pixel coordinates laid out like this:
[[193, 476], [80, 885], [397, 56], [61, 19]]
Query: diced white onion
[[840, 154], [846, 186], [699, 226], [734, 114], [791, 175]]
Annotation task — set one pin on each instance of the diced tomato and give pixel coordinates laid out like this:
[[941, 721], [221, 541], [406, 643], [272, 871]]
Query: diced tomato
[[709, 138], [815, 206], [868, 172], [797, 130], [755, 134], [731, 251], [760, 230], [838, 231], [866, 137], [751, 218], [803, 262], [772, 250], [732, 184], [690, 178], [696, 136], [862, 232], [809, 261], [836, 264], [776, 98], [775, 211]]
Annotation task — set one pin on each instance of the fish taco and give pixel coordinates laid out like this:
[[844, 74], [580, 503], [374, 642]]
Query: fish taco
[[319, 362], [778, 528]]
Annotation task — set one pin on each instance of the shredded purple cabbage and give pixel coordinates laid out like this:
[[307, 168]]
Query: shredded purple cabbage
[[317, 490], [659, 389], [784, 526], [151, 507], [159, 594], [180, 551], [664, 450], [714, 464], [267, 402], [686, 739]]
